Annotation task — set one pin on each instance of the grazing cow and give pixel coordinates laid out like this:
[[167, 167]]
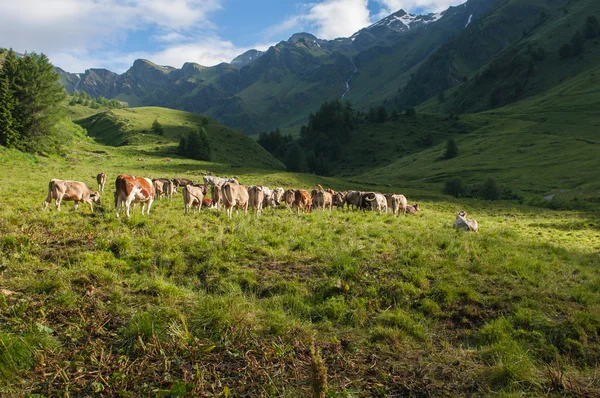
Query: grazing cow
[[462, 222], [132, 189], [268, 197], [288, 198], [161, 186], [412, 209], [234, 195], [277, 196], [321, 198], [217, 198], [181, 182], [71, 191], [214, 180], [338, 199], [207, 202], [375, 201], [354, 199], [101, 180], [396, 203], [256, 198], [302, 200], [192, 197]]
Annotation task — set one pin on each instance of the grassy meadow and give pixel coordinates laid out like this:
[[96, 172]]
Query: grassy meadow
[[340, 304]]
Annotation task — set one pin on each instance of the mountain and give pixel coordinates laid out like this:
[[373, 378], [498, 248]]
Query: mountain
[[259, 91], [245, 58]]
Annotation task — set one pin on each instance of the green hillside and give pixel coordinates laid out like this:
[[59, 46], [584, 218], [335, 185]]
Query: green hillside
[[132, 127]]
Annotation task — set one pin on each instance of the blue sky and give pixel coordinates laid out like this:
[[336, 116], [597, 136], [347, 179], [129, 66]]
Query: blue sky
[[81, 34]]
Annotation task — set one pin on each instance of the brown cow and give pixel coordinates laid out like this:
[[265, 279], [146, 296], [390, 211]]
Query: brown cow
[[181, 182], [161, 185], [192, 197], [321, 198], [234, 195], [101, 180], [288, 198], [132, 189], [413, 209], [302, 200], [217, 198], [207, 202], [396, 203], [71, 191], [338, 199], [256, 198]]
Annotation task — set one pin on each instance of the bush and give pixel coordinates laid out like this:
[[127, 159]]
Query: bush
[[451, 149], [490, 190], [455, 187]]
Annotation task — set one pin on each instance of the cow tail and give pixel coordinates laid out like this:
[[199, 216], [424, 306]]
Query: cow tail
[[227, 196]]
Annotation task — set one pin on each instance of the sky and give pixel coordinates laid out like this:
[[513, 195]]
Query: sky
[[80, 34]]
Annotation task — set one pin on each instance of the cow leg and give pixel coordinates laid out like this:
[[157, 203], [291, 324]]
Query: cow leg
[[149, 206]]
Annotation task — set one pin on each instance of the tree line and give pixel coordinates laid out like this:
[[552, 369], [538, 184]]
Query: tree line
[[30, 97], [83, 98], [322, 139]]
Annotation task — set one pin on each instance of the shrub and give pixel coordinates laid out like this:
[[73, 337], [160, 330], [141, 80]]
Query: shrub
[[451, 149], [490, 190], [455, 187]]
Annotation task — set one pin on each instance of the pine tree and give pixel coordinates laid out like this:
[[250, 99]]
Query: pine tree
[[8, 135], [157, 127], [295, 159], [205, 150], [451, 149]]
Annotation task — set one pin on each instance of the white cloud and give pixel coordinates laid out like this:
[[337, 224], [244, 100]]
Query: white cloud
[[338, 18]]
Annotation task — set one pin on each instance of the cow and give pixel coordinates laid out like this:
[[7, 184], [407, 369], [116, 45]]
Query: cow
[[462, 222], [169, 189], [192, 197], [234, 195], [321, 198], [268, 197], [338, 199], [354, 199], [101, 180], [256, 198], [161, 186], [207, 202], [278, 195], [302, 200], [181, 182], [215, 193], [412, 209], [214, 180], [71, 191], [375, 200], [132, 189], [396, 203], [288, 198]]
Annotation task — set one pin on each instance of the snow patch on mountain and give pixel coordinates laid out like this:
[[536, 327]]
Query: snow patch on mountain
[[469, 21]]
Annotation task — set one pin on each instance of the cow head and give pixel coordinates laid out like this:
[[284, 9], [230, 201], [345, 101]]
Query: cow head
[[95, 197], [462, 213], [416, 207]]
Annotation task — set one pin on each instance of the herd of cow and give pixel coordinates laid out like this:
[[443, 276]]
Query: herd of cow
[[228, 193]]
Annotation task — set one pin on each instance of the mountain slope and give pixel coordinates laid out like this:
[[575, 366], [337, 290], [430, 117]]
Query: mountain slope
[[132, 126]]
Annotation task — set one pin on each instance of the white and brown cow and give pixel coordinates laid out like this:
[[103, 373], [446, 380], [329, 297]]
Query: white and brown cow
[[462, 222], [396, 203], [234, 195], [68, 190], [256, 198], [132, 189], [278, 195], [193, 197]]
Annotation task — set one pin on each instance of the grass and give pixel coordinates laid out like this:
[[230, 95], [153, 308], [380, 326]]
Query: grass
[[350, 303]]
